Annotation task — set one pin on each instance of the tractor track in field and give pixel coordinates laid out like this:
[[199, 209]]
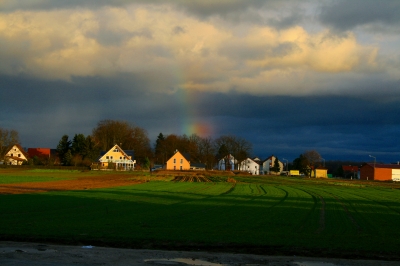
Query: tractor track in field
[[321, 217], [314, 196], [351, 218], [80, 183], [378, 202]]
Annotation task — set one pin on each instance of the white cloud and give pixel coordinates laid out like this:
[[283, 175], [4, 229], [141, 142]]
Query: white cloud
[[171, 49]]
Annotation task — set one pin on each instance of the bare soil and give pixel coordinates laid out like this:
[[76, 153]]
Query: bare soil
[[81, 183]]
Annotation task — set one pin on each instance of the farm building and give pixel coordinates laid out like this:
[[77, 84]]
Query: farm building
[[350, 171], [15, 155], [250, 166], [198, 166], [178, 161], [381, 172], [320, 172], [39, 152], [226, 163], [269, 163], [115, 158]]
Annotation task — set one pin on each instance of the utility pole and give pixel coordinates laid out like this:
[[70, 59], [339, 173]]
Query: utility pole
[[287, 163], [374, 159]]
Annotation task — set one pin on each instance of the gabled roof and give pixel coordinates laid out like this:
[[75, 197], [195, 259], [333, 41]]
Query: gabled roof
[[184, 155], [350, 168], [198, 165], [39, 152], [228, 156], [256, 162], [102, 153], [377, 165], [19, 148], [130, 153], [270, 158]]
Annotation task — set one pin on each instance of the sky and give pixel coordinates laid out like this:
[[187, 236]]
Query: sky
[[288, 76]]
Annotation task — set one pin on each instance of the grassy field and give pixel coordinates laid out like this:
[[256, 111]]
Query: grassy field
[[258, 214], [34, 175]]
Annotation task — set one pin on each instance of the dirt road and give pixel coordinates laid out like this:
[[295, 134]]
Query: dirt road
[[35, 254]]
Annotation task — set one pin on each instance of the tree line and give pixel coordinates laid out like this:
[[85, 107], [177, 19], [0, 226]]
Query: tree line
[[82, 150]]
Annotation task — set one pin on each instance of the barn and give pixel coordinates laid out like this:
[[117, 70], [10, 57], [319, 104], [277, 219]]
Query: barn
[[381, 172]]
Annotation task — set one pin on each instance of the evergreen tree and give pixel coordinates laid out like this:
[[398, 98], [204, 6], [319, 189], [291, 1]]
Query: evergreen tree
[[62, 149], [276, 168], [91, 152], [67, 159], [146, 163], [78, 145], [159, 149]]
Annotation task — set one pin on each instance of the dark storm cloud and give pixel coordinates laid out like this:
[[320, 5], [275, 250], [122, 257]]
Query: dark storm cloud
[[345, 15], [295, 17], [10, 5], [236, 11], [339, 127]]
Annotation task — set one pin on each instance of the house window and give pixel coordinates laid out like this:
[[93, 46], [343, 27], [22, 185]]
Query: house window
[[120, 158], [181, 162], [19, 155], [11, 155], [174, 160], [111, 157], [116, 150], [107, 157], [180, 167], [174, 167]]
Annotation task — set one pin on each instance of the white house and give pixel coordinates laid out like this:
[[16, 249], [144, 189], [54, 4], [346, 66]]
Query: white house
[[250, 166], [268, 163], [15, 155], [226, 163], [117, 159]]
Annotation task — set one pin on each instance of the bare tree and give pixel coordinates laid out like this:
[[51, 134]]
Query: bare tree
[[206, 152], [313, 158], [111, 132], [7, 138], [237, 146]]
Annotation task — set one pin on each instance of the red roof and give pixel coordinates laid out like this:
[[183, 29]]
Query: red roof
[[39, 152], [350, 168], [390, 166]]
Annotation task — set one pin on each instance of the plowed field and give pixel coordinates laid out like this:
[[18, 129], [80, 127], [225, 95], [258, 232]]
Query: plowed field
[[80, 183]]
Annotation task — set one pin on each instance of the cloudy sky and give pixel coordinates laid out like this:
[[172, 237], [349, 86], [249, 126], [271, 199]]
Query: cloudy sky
[[288, 76]]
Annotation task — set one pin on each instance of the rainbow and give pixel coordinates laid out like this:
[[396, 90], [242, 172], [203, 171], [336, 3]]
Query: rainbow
[[190, 121]]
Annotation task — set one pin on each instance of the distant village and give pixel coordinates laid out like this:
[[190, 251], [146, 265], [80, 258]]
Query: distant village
[[178, 153]]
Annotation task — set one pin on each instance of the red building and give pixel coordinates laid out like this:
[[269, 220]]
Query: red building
[[350, 171], [39, 152], [381, 172]]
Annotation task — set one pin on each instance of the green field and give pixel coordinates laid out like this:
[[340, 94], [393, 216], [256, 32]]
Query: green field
[[276, 215]]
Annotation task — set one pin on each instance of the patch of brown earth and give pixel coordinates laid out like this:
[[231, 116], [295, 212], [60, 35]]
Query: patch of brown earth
[[80, 183]]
